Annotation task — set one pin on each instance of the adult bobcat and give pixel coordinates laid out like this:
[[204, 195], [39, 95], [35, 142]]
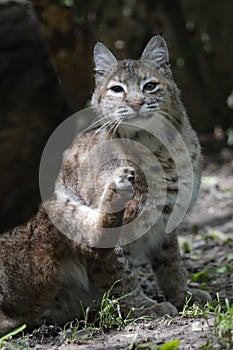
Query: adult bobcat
[[66, 254]]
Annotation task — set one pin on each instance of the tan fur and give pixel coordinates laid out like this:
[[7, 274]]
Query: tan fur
[[45, 273]]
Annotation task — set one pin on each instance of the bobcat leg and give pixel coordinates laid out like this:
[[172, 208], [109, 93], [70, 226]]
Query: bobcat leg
[[87, 225], [117, 269], [171, 274], [118, 191]]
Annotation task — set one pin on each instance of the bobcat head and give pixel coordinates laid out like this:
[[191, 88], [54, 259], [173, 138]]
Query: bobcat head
[[135, 90]]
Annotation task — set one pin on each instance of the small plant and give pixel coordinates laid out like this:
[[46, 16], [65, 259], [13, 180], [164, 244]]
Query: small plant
[[20, 345], [108, 317], [223, 315], [223, 319], [187, 247], [200, 277], [4, 345], [171, 345], [193, 310]]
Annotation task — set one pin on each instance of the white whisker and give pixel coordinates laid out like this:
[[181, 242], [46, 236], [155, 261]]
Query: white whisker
[[117, 125], [96, 121], [110, 131], [98, 131]]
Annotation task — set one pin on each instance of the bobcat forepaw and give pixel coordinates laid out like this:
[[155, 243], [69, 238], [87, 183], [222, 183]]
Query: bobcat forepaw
[[119, 190], [165, 308], [124, 180], [199, 296], [153, 309]]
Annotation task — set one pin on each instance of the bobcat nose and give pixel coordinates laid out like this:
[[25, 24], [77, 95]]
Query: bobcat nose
[[136, 105]]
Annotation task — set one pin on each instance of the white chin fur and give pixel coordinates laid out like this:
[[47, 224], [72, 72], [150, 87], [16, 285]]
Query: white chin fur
[[143, 121]]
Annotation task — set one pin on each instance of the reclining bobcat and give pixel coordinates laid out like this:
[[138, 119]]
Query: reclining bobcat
[[101, 202]]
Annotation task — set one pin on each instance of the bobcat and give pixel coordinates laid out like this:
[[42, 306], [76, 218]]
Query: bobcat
[[122, 192]]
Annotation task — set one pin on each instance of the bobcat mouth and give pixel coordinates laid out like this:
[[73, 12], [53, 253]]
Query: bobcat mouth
[[137, 116]]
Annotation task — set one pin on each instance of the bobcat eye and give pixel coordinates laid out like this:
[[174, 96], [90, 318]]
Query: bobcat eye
[[117, 89], [150, 86]]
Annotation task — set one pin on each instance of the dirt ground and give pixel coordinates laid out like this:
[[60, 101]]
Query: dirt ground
[[206, 243]]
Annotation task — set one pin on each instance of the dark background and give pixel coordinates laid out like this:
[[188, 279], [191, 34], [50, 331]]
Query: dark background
[[33, 101]]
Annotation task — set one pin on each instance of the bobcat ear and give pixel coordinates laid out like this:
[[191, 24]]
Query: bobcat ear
[[156, 52], [103, 59]]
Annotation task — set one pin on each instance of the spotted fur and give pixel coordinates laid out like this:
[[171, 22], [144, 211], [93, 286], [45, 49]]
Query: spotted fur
[[104, 207]]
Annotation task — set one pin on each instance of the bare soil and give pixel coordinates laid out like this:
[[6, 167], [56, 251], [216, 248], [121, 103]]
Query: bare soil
[[206, 242]]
